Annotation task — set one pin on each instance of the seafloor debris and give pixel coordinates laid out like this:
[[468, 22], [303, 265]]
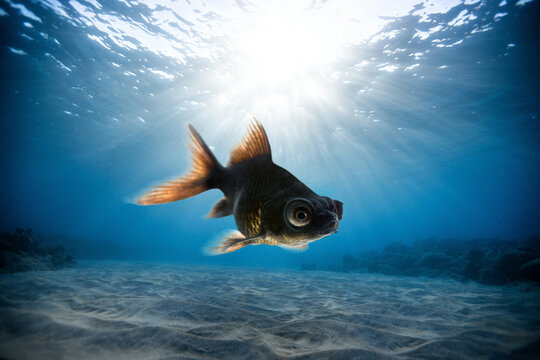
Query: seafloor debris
[[487, 261], [20, 251]]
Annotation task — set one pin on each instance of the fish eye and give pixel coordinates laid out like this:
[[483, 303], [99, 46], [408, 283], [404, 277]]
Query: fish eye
[[298, 213]]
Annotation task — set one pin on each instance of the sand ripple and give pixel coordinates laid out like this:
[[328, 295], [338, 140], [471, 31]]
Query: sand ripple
[[147, 311]]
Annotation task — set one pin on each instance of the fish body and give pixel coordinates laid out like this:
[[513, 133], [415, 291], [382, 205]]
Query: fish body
[[270, 205]]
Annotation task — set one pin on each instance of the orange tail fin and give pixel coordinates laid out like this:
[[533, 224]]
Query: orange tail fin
[[204, 167]]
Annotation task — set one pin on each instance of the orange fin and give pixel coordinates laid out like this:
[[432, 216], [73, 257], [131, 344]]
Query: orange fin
[[195, 182], [254, 144], [235, 240], [221, 209]]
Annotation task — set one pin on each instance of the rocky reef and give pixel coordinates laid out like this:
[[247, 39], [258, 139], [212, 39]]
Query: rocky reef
[[21, 251], [487, 261]]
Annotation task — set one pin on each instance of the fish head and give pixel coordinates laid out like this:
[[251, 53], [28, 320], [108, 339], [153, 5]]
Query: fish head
[[303, 218]]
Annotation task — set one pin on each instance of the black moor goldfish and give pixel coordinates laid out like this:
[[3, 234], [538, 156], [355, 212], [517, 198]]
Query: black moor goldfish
[[270, 205]]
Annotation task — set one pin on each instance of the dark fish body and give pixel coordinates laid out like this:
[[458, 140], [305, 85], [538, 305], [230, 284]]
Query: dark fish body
[[257, 183], [270, 205]]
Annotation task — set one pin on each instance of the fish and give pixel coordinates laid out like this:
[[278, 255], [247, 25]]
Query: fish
[[269, 204]]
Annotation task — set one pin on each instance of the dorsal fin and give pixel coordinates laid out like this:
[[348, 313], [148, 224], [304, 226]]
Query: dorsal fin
[[254, 144]]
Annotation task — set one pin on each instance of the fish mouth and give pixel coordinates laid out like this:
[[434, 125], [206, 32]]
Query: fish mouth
[[330, 228]]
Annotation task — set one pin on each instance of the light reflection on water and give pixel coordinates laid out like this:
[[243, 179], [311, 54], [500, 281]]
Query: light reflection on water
[[376, 97]]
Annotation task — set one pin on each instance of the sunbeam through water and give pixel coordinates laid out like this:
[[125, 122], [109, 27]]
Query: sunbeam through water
[[418, 120]]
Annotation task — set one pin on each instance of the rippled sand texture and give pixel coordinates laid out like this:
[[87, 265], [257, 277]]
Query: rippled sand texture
[[142, 311]]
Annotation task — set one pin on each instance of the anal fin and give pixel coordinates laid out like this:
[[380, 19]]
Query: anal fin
[[235, 240], [221, 209]]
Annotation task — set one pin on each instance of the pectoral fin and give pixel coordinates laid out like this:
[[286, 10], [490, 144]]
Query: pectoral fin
[[233, 241], [221, 209]]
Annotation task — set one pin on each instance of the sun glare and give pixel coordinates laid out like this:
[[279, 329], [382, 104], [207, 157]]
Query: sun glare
[[283, 62], [280, 66], [284, 48]]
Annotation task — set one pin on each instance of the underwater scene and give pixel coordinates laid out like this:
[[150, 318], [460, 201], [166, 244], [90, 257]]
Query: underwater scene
[[237, 179]]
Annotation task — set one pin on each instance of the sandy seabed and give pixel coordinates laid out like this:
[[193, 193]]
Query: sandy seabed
[[105, 310]]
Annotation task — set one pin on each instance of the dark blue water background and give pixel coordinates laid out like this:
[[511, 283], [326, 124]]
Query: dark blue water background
[[427, 127]]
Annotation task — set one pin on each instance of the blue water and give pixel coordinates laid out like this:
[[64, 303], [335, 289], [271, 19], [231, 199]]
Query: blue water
[[421, 117]]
